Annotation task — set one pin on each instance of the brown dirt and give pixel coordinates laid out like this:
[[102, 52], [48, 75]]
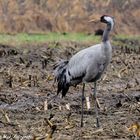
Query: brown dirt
[[26, 82]]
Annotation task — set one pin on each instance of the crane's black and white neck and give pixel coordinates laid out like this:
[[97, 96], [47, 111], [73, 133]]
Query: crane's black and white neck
[[110, 24]]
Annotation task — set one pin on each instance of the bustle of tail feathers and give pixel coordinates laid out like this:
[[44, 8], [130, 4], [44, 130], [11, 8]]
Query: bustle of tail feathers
[[60, 77]]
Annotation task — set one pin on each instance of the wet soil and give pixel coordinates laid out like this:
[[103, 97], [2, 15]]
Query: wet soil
[[27, 87]]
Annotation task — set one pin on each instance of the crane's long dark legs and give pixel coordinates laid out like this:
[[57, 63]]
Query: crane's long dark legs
[[96, 108], [82, 101]]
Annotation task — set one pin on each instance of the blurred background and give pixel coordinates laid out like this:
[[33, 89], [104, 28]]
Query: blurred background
[[34, 36], [36, 16]]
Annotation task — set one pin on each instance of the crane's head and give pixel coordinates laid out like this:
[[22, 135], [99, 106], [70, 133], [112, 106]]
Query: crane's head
[[105, 19], [108, 20]]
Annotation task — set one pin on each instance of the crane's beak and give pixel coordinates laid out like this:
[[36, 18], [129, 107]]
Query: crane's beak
[[94, 20]]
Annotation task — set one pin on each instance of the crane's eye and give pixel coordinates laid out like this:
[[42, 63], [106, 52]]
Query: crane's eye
[[103, 19]]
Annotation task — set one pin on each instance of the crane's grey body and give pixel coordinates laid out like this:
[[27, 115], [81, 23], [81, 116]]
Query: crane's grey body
[[86, 66], [89, 64]]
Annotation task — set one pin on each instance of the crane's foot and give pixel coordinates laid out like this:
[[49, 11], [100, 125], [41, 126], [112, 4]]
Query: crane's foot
[[97, 106], [82, 110], [81, 124], [97, 102], [97, 123], [82, 103]]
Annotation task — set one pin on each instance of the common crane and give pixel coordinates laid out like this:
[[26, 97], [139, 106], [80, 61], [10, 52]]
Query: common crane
[[86, 66]]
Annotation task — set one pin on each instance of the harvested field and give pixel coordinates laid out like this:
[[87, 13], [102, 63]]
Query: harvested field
[[27, 87]]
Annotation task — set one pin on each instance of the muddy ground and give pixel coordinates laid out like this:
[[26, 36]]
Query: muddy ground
[[26, 84]]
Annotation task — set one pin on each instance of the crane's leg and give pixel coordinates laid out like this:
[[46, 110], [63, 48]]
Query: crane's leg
[[82, 101], [96, 107]]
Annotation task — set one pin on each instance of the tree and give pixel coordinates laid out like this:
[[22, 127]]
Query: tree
[[4, 6], [21, 6]]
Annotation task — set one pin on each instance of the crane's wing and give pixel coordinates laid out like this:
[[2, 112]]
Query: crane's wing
[[79, 63]]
